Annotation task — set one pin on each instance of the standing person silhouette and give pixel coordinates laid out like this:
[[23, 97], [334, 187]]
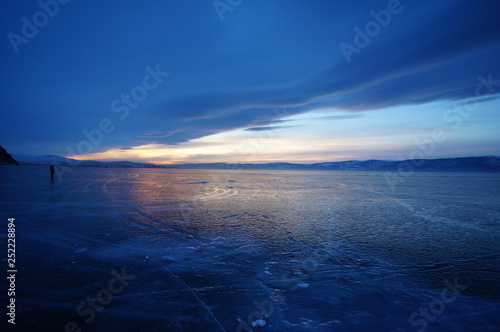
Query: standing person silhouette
[[52, 172]]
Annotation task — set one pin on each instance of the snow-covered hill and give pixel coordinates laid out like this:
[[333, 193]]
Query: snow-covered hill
[[466, 164]]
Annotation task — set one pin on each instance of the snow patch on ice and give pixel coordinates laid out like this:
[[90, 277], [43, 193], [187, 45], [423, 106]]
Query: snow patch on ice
[[259, 322]]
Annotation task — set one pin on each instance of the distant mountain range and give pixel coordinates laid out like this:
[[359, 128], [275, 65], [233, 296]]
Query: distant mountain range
[[464, 164], [57, 160]]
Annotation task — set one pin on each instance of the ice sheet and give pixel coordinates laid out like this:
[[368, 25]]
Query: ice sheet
[[214, 250]]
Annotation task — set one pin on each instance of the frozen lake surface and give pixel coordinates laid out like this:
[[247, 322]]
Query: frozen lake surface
[[214, 250]]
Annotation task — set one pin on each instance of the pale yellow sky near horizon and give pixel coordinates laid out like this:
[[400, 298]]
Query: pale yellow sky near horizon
[[329, 135]]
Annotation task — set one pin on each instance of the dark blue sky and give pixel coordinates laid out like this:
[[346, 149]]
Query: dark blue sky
[[250, 64]]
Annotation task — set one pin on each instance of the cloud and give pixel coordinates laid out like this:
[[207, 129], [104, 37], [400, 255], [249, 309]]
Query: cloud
[[415, 61], [340, 117], [234, 75], [267, 128]]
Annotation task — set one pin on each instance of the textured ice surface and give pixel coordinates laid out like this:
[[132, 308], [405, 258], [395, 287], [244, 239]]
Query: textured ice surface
[[214, 250]]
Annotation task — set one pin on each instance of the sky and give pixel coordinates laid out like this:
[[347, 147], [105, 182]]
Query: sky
[[250, 81]]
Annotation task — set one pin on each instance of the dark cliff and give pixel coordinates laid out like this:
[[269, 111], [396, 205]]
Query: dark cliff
[[6, 158]]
